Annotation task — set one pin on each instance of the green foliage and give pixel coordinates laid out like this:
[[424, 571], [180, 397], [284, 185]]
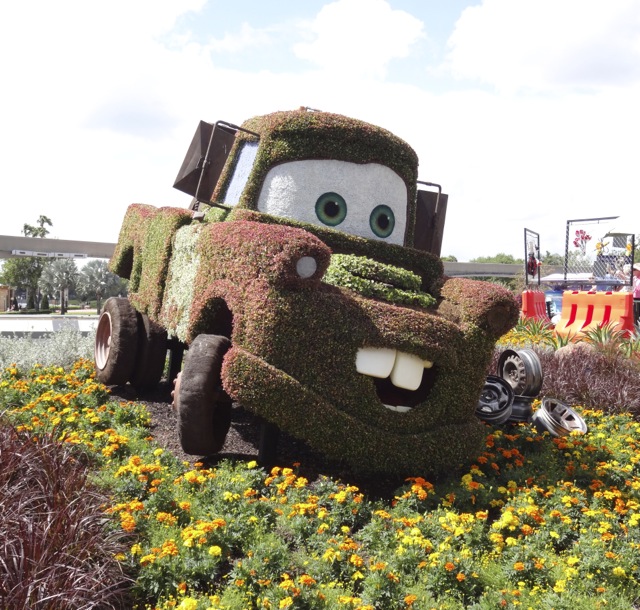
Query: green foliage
[[59, 276], [24, 272], [501, 257], [605, 335], [96, 281], [553, 260], [145, 242], [377, 280], [40, 230], [61, 348]]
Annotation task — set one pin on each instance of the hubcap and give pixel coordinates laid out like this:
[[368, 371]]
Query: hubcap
[[103, 341]]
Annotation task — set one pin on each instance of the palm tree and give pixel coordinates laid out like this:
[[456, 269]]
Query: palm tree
[[59, 276], [96, 279]]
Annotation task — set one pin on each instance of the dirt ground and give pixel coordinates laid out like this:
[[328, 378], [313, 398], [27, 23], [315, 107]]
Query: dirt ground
[[250, 439]]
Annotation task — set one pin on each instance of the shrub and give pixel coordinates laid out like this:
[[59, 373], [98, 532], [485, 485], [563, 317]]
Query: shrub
[[56, 552], [62, 348]]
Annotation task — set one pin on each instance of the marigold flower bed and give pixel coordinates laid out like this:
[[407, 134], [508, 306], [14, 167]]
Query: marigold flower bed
[[531, 522]]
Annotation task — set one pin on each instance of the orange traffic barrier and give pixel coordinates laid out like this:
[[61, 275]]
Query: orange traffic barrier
[[534, 305], [585, 310]]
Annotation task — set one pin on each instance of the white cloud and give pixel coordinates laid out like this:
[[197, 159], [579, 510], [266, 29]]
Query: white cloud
[[248, 37], [518, 45], [359, 37]]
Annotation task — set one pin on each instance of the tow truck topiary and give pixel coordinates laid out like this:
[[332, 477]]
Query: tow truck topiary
[[294, 288]]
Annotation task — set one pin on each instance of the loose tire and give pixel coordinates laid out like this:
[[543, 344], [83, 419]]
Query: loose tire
[[496, 401], [558, 419], [203, 408], [116, 344], [152, 354], [522, 370]]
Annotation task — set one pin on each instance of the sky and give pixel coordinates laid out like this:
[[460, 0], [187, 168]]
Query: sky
[[527, 112]]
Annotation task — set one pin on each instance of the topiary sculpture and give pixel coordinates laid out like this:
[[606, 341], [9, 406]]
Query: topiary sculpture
[[297, 293]]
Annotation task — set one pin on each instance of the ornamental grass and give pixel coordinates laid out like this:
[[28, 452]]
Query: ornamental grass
[[531, 522]]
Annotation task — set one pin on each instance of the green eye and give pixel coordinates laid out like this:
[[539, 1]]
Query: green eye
[[331, 209], [382, 220]]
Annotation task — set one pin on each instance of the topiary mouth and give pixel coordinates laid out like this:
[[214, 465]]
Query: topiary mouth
[[402, 380]]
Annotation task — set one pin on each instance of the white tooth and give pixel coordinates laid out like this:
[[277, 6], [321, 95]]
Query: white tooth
[[427, 364], [398, 408], [407, 371], [375, 361]]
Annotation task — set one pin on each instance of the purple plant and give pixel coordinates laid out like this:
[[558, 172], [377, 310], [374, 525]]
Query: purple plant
[[56, 551]]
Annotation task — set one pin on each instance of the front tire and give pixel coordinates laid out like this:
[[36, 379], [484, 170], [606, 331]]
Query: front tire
[[203, 408], [116, 344]]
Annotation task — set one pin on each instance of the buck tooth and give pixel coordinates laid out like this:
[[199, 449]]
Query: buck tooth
[[398, 408], [375, 361], [407, 371]]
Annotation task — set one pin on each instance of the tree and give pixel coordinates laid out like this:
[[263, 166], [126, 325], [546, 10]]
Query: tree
[[449, 259], [553, 260], [59, 276], [24, 272], [97, 281], [501, 257], [40, 230], [514, 284]]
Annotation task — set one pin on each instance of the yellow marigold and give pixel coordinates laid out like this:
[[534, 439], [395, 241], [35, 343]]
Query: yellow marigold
[[560, 586], [518, 566], [188, 603], [215, 551], [409, 600], [166, 518], [169, 548]]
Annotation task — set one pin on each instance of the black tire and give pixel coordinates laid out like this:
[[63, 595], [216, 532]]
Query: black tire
[[116, 344], [202, 406], [152, 354]]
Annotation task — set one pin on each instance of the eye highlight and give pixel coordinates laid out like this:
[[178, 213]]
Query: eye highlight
[[331, 209], [382, 220]]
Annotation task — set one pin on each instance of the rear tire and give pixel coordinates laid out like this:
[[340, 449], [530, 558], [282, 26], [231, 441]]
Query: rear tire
[[202, 406], [116, 344], [152, 354]]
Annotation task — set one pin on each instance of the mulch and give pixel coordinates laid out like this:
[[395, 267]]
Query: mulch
[[250, 438]]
